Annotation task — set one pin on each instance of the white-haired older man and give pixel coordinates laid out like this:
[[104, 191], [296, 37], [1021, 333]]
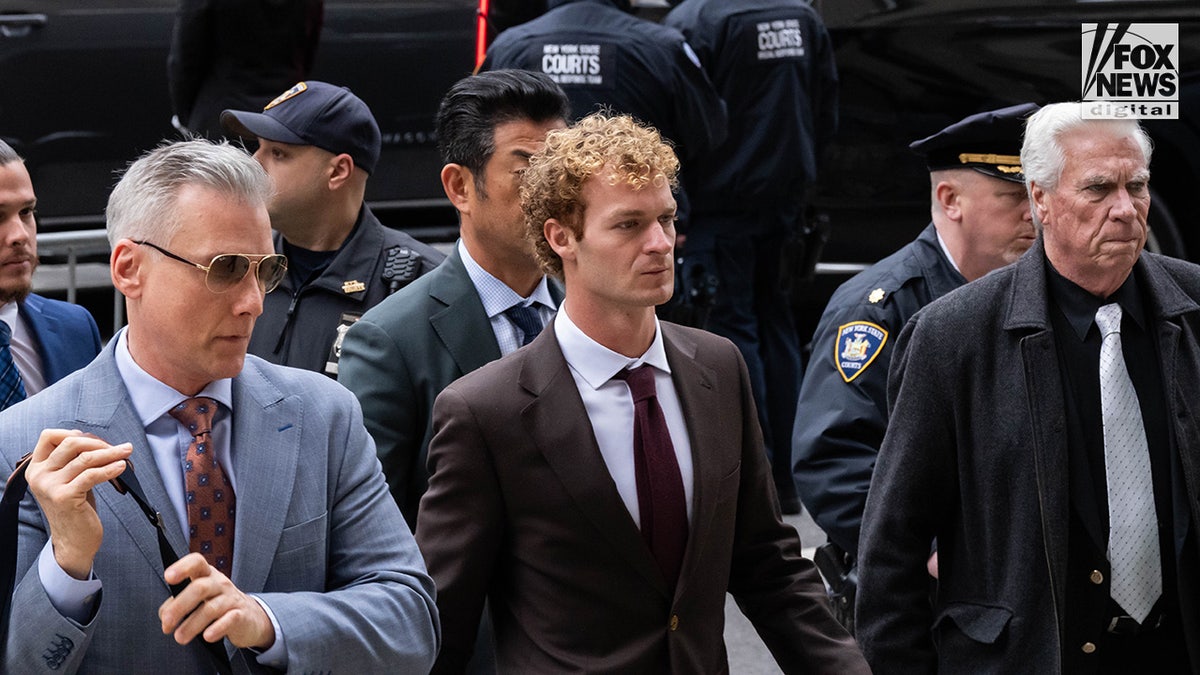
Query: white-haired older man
[[1042, 435]]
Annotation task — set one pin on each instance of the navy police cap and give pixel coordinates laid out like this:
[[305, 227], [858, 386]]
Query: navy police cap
[[988, 142], [314, 113]]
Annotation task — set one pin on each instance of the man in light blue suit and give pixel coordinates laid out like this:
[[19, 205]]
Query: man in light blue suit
[[47, 339], [274, 479]]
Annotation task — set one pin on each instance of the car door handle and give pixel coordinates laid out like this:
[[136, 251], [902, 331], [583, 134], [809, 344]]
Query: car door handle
[[20, 25]]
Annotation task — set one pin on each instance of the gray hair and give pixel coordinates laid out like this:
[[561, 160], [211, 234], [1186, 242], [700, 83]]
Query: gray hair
[[142, 205], [7, 154], [1042, 154]]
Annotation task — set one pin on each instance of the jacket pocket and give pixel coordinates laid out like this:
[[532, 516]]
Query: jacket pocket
[[984, 624], [303, 534]]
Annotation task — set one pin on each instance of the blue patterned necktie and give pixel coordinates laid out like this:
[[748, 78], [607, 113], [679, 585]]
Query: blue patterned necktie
[[211, 504], [11, 389], [527, 320]]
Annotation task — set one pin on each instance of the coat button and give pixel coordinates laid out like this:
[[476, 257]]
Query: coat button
[[1096, 577], [1088, 648], [674, 625]]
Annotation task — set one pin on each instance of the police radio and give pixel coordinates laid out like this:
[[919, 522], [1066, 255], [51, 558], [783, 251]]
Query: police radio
[[400, 267]]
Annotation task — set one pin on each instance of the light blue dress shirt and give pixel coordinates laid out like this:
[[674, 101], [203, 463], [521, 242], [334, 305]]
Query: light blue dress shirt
[[497, 297], [168, 439]]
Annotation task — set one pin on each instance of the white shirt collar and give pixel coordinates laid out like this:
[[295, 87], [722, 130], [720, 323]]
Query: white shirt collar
[[152, 398], [495, 294], [8, 314], [946, 251], [594, 362]]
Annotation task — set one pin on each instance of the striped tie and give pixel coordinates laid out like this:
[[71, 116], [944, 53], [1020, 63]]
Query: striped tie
[[11, 389], [527, 321]]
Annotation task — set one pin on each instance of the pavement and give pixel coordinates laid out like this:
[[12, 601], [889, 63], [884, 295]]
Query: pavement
[[747, 653]]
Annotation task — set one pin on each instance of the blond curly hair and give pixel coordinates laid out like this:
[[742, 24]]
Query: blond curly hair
[[633, 153]]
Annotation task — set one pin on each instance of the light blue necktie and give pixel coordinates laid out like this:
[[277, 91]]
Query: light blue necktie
[[11, 389]]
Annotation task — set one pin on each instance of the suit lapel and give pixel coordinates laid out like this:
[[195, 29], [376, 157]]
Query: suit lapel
[[104, 409], [45, 331], [572, 453], [462, 326], [266, 443], [701, 411]]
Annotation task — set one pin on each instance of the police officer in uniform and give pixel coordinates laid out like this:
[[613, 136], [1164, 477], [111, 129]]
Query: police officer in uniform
[[602, 55], [981, 221], [319, 143], [772, 63]]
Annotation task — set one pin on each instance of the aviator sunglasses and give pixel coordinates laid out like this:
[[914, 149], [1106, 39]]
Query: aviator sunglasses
[[228, 269]]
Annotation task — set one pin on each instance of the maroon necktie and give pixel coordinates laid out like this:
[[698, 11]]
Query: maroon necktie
[[207, 492], [661, 499]]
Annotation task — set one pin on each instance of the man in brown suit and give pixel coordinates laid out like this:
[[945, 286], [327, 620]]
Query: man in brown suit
[[604, 531]]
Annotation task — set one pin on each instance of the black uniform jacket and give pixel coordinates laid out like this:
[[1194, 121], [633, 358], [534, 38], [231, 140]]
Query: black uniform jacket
[[238, 54], [303, 326], [841, 417], [602, 55], [772, 63]]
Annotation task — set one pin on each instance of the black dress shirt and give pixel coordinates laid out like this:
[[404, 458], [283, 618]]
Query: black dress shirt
[[1089, 610]]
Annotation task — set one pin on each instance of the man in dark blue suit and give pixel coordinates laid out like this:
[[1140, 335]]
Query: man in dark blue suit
[[43, 339]]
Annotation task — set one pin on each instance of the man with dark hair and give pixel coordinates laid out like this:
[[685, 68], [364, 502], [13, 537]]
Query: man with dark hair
[[486, 300], [320, 143], [41, 340], [605, 487]]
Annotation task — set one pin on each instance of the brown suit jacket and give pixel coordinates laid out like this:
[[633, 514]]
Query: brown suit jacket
[[521, 509]]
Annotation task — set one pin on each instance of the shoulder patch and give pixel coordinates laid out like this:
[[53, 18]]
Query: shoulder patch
[[856, 346]]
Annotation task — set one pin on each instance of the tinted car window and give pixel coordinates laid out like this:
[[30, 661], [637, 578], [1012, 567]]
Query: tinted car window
[[83, 90]]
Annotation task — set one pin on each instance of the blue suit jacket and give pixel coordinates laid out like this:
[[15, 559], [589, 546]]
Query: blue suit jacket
[[67, 337], [318, 538]]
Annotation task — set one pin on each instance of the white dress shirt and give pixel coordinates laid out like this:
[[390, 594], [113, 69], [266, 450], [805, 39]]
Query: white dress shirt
[[946, 251], [24, 349], [497, 297], [609, 405]]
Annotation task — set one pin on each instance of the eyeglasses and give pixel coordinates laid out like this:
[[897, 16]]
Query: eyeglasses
[[228, 269]]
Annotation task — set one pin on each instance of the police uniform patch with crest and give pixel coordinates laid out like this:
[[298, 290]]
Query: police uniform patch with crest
[[856, 346]]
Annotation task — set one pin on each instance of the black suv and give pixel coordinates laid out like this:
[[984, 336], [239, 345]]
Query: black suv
[[83, 90]]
